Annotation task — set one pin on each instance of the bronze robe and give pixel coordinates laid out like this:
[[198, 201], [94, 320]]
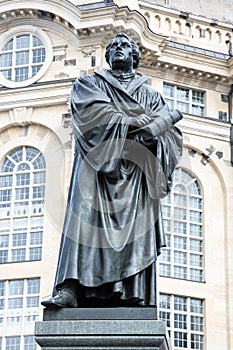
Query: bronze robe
[[113, 229]]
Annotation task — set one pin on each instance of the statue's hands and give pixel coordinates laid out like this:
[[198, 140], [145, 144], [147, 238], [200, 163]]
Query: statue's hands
[[141, 120]]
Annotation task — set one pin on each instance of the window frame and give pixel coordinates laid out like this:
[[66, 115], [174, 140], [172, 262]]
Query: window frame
[[19, 322], [27, 30], [180, 318], [189, 102], [183, 258], [22, 218]]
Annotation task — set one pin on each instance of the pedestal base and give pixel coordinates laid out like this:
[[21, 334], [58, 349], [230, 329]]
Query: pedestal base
[[99, 333]]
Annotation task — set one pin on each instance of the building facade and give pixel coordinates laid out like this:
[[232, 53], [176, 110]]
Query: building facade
[[187, 53]]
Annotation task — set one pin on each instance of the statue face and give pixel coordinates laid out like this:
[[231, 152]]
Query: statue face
[[121, 54]]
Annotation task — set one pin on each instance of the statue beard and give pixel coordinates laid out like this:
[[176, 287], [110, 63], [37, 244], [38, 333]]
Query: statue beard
[[120, 65]]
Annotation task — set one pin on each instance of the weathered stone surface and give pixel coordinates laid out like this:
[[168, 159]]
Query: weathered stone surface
[[97, 333], [123, 313]]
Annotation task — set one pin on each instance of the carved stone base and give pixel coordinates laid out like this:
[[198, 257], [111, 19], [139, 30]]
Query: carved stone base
[[137, 329]]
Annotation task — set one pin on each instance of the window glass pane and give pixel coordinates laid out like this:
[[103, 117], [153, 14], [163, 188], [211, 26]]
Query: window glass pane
[[197, 341], [5, 195], [6, 181], [22, 193], [32, 301], [194, 188], [6, 60], [180, 272], [12, 343], [21, 74], [22, 231], [23, 167], [16, 287], [180, 242], [165, 255], [165, 270], [183, 107], [19, 240], [180, 257], [195, 230], [180, 227], [180, 200], [8, 46], [38, 191], [37, 41], [196, 275], [38, 55], [17, 155], [166, 211], [7, 74], [15, 303], [29, 343], [33, 286], [168, 90], [3, 256], [180, 321], [35, 253], [18, 255], [196, 306], [198, 110], [195, 216], [198, 96], [196, 260], [39, 162], [8, 166], [167, 225], [39, 177], [165, 301], [31, 153], [195, 203], [22, 41], [4, 241], [22, 179], [180, 303], [180, 214], [36, 237], [22, 58], [35, 69], [165, 316], [182, 94], [2, 288], [180, 339], [195, 245]]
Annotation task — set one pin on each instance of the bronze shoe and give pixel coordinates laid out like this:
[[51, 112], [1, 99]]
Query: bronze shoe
[[62, 299]]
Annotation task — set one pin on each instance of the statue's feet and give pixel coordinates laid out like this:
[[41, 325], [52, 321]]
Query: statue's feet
[[62, 299]]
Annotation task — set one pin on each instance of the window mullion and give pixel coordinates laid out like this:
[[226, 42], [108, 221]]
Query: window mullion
[[30, 57], [13, 58], [190, 102]]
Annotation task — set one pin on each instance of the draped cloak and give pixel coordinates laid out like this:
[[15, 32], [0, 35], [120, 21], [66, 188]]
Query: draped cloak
[[113, 227]]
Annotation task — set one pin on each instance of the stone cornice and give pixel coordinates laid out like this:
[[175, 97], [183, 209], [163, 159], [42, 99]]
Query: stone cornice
[[37, 95], [94, 23]]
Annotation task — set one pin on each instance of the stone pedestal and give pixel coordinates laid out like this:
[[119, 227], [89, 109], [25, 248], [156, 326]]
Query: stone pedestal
[[101, 329]]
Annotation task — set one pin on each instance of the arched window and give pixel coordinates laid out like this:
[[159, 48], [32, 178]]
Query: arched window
[[182, 216], [22, 186], [25, 55]]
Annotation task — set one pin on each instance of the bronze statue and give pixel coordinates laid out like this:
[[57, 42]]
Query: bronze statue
[[126, 149]]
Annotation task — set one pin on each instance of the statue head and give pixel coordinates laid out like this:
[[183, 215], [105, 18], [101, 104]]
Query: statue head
[[135, 49]]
